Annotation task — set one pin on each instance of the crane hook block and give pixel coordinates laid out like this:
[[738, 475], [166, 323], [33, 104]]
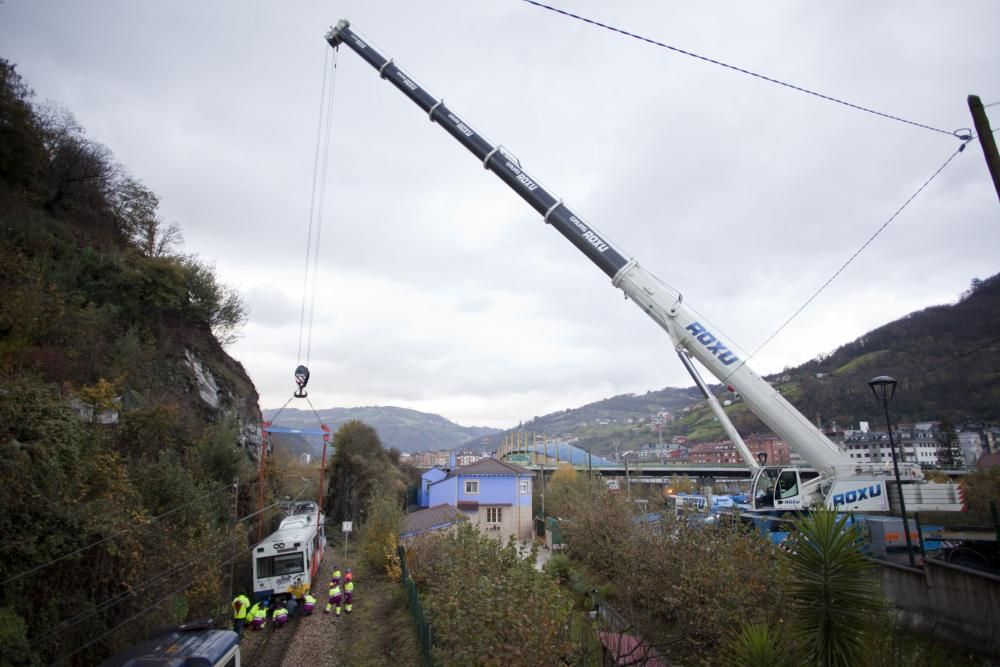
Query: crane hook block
[[301, 379]]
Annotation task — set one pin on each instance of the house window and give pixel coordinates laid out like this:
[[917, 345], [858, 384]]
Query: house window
[[524, 486], [493, 515], [472, 486]]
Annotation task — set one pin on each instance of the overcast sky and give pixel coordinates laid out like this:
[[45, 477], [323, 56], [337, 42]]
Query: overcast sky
[[440, 290]]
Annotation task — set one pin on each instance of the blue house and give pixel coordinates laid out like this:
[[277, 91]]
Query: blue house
[[435, 474], [494, 495]]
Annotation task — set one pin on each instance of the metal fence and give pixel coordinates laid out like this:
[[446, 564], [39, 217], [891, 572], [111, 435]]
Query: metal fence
[[417, 611]]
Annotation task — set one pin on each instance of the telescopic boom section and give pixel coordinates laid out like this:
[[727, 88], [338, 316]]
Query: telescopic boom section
[[664, 305], [492, 157]]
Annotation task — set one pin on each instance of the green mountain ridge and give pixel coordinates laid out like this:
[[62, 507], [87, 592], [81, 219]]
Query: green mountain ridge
[[402, 428], [946, 358]]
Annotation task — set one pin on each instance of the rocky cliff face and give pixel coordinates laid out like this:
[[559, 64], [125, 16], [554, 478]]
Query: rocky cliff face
[[217, 386]]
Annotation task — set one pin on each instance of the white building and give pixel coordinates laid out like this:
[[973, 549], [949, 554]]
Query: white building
[[971, 443]]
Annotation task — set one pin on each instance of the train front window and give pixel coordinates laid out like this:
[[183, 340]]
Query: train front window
[[277, 566]]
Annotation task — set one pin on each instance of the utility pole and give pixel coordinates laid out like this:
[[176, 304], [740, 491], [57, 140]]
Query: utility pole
[[986, 140], [545, 445], [628, 480]]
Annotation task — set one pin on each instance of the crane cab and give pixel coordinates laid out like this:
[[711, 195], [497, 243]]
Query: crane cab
[[782, 489]]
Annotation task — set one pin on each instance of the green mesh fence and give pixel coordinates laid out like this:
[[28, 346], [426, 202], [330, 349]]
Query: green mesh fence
[[416, 611]]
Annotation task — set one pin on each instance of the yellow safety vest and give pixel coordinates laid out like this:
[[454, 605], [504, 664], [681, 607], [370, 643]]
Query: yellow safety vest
[[244, 606], [334, 591], [349, 587], [298, 591], [310, 599]]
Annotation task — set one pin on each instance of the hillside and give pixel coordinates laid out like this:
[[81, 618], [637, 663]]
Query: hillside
[[404, 429], [946, 358], [118, 404]]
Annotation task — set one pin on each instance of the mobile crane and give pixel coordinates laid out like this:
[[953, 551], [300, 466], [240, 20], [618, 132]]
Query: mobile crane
[[834, 481]]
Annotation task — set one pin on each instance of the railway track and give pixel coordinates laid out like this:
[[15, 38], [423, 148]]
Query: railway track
[[273, 646], [270, 652]]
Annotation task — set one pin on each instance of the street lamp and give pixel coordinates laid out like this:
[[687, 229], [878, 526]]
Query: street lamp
[[884, 388]]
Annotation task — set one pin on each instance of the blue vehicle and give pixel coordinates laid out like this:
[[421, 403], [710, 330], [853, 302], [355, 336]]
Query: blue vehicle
[[195, 644]]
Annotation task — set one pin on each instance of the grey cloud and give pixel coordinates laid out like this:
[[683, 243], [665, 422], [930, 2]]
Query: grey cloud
[[745, 196]]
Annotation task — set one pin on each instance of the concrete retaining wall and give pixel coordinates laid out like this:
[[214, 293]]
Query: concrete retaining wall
[[954, 604]]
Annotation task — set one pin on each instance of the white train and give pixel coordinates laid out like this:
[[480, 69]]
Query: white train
[[290, 556]]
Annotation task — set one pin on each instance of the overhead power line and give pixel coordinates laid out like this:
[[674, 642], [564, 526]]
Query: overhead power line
[[146, 585], [142, 612], [117, 599], [139, 524], [741, 70], [959, 357]]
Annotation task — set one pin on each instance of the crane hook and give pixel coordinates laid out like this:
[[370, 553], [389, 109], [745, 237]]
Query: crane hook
[[301, 379]]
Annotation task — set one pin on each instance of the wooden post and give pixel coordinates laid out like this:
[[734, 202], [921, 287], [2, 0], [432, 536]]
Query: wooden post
[[986, 140]]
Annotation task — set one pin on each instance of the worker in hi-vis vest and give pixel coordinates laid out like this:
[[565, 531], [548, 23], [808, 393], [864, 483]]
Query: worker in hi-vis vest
[[308, 604], [279, 615], [241, 606], [336, 595], [258, 615], [348, 596]]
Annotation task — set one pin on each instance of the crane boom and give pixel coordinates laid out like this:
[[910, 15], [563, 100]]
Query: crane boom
[[664, 305], [690, 334]]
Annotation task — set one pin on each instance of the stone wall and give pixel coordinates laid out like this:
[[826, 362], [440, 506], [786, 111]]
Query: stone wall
[[954, 604]]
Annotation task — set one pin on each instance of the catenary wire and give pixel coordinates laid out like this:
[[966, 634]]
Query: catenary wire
[[110, 537], [850, 259], [121, 597], [73, 621], [138, 614], [117, 599], [741, 70]]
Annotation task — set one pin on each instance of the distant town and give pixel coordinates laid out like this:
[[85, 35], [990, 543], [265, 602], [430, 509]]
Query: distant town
[[925, 443]]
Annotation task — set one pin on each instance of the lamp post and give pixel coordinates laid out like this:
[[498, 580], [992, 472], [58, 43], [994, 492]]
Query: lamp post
[[884, 388]]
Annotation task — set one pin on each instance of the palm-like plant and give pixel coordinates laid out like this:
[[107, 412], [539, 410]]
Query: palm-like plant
[[832, 595], [756, 646]]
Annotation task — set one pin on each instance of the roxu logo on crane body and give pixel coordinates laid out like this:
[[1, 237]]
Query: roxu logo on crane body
[[713, 344], [857, 495]]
